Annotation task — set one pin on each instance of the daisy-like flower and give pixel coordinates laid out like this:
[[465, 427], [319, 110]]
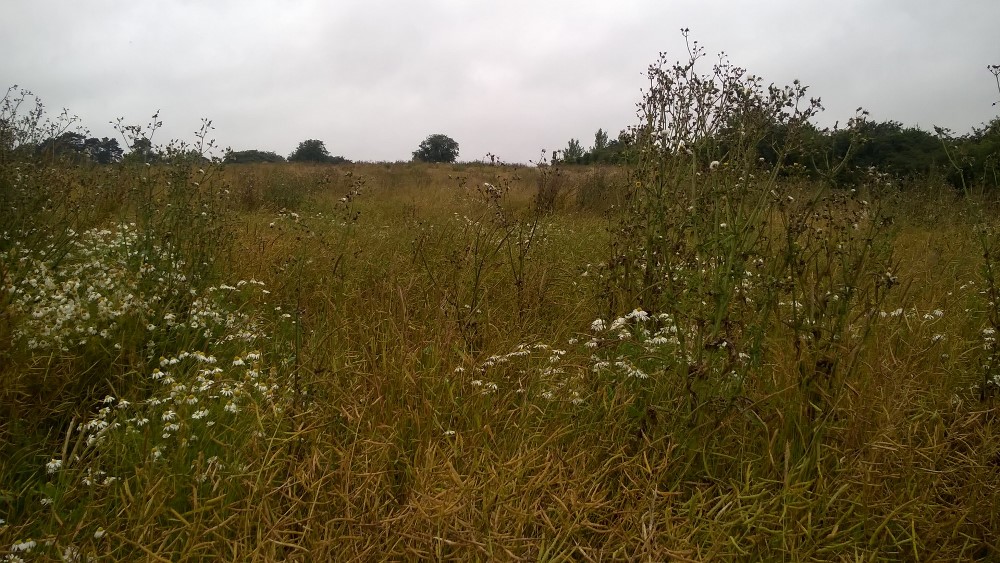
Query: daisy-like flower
[[24, 546], [638, 314]]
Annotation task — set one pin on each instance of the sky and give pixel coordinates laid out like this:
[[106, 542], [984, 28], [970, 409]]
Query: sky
[[373, 78]]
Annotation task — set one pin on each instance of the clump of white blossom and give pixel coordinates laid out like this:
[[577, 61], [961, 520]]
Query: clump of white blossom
[[203, 351], [990, 384], [633, 347], [70, 292]]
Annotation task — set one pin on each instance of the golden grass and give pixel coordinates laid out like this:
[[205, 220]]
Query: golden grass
[[395, 455]]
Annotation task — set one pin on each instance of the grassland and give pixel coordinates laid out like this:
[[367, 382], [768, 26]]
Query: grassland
[[371, 362]]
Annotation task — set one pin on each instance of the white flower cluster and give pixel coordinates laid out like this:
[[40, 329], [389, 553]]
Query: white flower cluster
[[990, 384], [633, 326], [85, 291], [67, 294], [633, 347], [192, 393], [507, 369]]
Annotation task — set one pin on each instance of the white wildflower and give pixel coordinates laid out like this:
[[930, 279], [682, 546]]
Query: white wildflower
[[638, 315], [25, 546]]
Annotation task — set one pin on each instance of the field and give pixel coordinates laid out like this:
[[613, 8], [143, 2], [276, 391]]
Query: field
[[415, 361]]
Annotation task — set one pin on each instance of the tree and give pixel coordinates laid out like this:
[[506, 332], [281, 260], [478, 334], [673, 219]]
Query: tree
[[75, 147], [437, 148], [605, 150], [143, 151], [600, 141], [252, 155], [103, 151], [69, 144], [311, 150], [573, 152]]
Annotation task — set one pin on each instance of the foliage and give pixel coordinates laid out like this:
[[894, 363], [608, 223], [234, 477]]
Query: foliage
[[972, 159], [573, 152], [600, 140], [79, 148], [252, 155], [437, 148], [604, 151], [708, 239], [24, 124], [313, 150], [846, 156]]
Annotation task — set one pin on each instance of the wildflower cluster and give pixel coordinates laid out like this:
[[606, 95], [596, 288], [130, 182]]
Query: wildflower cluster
[[640, 345], [629, 349], [190, 391], [87, 285], [990, 385], [196, 398], [195, 360], [526, 367]]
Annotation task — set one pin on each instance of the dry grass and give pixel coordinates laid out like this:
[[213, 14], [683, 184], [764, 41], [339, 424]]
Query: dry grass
[[390, 449]]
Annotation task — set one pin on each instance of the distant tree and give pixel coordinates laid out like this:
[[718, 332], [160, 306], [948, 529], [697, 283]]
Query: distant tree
[[142, 150], [974, 159], [600, 141], [311, 150], [605, 150], [437, 148], [77, 148], [248, 156], [103, 151], [66, 144], [573, 152], [904, 152]]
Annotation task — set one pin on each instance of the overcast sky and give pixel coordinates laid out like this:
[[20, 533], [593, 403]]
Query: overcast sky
[[372, 78]]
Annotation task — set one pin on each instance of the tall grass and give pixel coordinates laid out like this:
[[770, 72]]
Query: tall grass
[[691, 358]]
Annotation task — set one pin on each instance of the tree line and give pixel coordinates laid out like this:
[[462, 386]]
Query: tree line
[[77, 148], [435, 148], [845, 155]]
